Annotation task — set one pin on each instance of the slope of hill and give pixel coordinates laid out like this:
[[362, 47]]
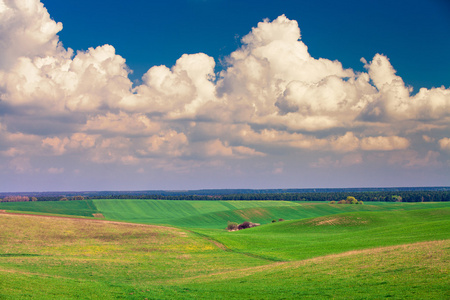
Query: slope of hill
[[203, 214], [216, 214], [307, 238], [59, 258], [412, 271], [84, 208]]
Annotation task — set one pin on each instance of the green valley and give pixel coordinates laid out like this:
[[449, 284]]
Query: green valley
[[163, 249]]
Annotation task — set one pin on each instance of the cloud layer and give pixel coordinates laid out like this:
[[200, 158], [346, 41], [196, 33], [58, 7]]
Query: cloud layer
[[273, 102]]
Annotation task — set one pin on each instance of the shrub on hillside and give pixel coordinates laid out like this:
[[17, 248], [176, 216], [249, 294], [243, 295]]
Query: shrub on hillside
[[232, 226], [244, 225], [349, 200]]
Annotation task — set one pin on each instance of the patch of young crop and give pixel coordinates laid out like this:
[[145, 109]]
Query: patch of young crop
[[84, 208], [196, 214], [50, 257], [307, 238], [334, 255], [417, 271]]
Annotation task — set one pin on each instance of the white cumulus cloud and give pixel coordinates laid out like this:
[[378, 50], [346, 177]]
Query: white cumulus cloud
[[272, 100]]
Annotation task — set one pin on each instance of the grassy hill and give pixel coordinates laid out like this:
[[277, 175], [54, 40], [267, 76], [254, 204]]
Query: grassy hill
[[370, 251], [195, 214], [204, 214], [307, 238], [54, 258], [58, 258], [84, 208], [413, 271]]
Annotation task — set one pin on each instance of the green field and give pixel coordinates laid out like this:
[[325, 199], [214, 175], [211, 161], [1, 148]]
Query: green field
[[302, 239], [203, 214], [321, 251], [84, 208]]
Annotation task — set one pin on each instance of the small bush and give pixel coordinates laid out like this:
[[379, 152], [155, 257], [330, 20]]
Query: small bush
[[280, 220], [244, 225], [274, 221], [349, 200], [232, 226], [333, 202], [352, 200]]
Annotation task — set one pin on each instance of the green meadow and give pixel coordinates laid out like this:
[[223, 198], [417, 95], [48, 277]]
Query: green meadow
[[161, 249], [203, 214]]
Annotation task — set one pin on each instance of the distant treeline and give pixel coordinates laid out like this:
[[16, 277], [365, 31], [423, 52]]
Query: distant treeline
[[17, 198], [384, 195], [216, 192]]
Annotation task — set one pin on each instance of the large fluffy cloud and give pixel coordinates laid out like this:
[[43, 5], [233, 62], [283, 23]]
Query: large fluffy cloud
[[90, 81], [271, 98], [26, 30], [393, 100], [176, 92]]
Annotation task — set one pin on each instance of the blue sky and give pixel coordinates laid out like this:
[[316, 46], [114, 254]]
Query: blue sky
[[413, 34], [192, 94]]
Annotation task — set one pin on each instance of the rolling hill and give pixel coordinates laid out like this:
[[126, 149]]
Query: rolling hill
[[400, 252], [203, 214]]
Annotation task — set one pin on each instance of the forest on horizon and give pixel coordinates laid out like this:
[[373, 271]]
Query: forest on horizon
[[401, 194]]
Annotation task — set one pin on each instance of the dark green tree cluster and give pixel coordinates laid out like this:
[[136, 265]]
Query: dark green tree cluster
[[326, 195], [365, 196]]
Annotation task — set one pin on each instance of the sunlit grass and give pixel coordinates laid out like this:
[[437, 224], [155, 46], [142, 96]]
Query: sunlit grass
[[413, 271], [306, 238], [203, 214], [400, 252], [118, 254], [84, 208]]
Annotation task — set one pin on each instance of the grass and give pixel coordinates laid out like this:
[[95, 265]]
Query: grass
[[84, 208], [307, 238], [203, 214], [47, 256], [216, 214], [194, 214], [414, 271], [394, 250]]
